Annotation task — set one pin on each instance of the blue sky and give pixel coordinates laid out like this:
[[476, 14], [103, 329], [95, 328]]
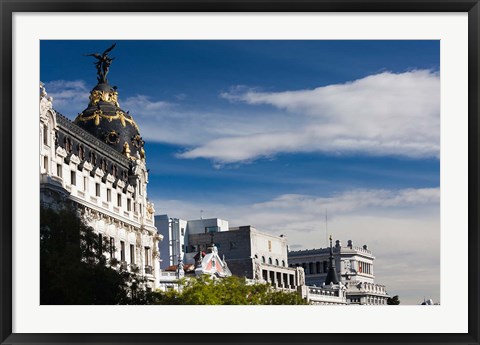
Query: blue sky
[[272, 133]]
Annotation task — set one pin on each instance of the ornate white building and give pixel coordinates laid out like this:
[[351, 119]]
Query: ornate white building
[[98, 162], [353, 266]]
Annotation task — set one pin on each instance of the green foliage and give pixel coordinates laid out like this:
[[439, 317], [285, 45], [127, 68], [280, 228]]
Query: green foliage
[[225, 291], [73, 269], [393, 300]]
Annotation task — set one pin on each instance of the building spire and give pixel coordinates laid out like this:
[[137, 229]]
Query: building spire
[[332, 276]]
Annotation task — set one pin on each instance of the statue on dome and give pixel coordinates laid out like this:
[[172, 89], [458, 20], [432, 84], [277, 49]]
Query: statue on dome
[[103, 64]]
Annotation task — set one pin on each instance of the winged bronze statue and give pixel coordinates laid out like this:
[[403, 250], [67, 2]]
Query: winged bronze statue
[[103, 64]]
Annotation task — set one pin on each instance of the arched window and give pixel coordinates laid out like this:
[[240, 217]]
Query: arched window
[[81, 152], [68, 145], [270, 261], [114, 171], [45, 134], [93, 158], [263, 259], [276, 262], [283, 263], [104, 165]]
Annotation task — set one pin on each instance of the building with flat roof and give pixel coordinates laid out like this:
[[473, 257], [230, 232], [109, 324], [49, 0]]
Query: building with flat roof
[[252, 254], [176, 232]]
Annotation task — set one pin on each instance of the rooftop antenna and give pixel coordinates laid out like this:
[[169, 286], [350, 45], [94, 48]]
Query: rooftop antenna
[[326, 228]]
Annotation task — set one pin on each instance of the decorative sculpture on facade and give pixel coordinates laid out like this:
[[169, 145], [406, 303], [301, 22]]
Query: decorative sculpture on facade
[[103, 64]]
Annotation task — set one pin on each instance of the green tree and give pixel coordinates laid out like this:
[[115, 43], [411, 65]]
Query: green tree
[[73, 268], [393, 300], [225, 291]]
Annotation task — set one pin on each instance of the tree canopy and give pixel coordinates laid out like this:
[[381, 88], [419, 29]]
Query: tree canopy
[[225, 291], [393, 300], [73, 268]]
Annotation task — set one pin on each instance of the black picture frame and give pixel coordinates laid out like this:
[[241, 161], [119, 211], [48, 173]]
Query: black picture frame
[[9, 7]]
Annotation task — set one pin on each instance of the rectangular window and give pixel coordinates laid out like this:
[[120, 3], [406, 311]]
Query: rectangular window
[[45, 163], [119, 200], [122, 251], [85, 183], [59, 170], [73, 178], [97, 189], [112, 247], [212, 229], [109, 194], [132, 254], [129, 204], [182, 231], [45, 135], [147, 256]]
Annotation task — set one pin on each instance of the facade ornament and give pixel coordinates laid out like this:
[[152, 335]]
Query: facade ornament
[[104, 96], [103, 64], [45, 102], [126, 150], [257, 269], [180, 270], [150, 210], [98, 115]]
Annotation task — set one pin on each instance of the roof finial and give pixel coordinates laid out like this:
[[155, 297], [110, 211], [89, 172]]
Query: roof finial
[[103, 64], [332, 276]]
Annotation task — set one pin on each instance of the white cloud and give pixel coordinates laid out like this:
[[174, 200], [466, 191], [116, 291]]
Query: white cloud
[[70, 97], [143, 106], [401, 227], [383, 114]]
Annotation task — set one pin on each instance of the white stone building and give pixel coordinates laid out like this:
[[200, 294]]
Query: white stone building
[[250, 253], [354, 267], [98, 163], [176, 232]]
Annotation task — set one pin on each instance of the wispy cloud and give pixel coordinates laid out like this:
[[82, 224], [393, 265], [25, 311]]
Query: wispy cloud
[[144, 107], [70, 97], [383, 114], [401, 227]]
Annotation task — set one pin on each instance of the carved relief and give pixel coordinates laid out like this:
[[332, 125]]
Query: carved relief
[[104, 96]]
